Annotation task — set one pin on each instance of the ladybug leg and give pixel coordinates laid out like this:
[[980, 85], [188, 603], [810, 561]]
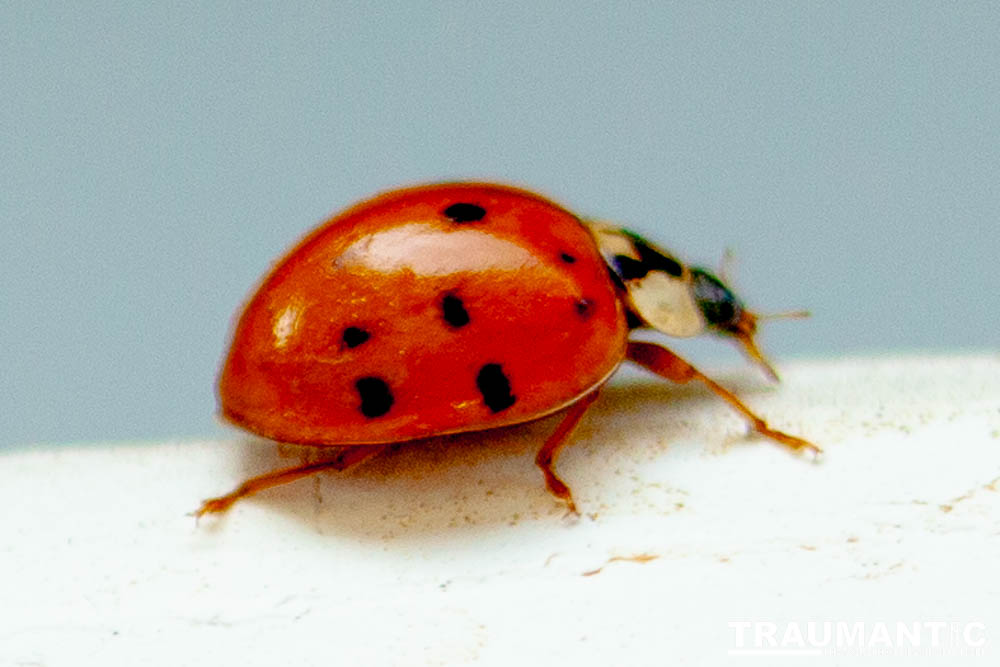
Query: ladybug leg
[[546, 456], [663, 362], [347, 457]]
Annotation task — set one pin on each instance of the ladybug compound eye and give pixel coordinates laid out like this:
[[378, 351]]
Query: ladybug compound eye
[[718, 304]]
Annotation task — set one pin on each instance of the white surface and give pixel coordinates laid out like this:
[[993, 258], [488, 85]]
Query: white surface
[[451, 551]]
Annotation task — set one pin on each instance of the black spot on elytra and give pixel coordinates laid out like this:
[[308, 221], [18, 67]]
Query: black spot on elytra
[[465, 212], [568, 258], [630, 268], [454, 311], [584, 308], [376, 398], [495, 388], [354, 336]]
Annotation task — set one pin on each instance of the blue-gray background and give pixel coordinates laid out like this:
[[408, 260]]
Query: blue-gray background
[[155, 160]]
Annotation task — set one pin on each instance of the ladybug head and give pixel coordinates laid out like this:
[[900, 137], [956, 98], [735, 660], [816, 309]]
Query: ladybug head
[[676, 299]]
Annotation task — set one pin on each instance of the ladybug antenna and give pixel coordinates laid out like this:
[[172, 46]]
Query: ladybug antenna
[[728, 265], [787, 315]]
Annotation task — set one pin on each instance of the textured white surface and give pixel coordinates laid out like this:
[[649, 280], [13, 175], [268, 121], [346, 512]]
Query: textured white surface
[[451, 551]]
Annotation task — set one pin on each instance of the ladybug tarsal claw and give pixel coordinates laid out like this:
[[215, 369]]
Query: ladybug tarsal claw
[[216, 505], [798, 444], [794, 443], [559, 489]]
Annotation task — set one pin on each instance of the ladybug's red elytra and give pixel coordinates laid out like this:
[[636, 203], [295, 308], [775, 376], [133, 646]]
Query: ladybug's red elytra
[[459, 307]]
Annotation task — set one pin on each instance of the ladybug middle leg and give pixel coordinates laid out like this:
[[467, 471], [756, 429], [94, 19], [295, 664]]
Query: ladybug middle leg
[[347, 457], [665, 363], [546, 456]]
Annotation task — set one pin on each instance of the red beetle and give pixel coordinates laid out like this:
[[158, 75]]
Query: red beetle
[[459, 307]]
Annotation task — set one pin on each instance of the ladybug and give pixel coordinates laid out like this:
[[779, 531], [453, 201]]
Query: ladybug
[[460, 307]]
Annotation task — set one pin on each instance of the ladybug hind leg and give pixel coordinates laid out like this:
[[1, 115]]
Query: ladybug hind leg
[[345, 458], [665, 363]]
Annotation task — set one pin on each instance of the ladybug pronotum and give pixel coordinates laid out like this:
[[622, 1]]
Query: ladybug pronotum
[[460, 307]]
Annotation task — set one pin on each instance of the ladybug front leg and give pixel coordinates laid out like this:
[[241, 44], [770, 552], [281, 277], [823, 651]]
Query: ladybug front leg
[[347, 457], [546, 456], [663, 362]]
